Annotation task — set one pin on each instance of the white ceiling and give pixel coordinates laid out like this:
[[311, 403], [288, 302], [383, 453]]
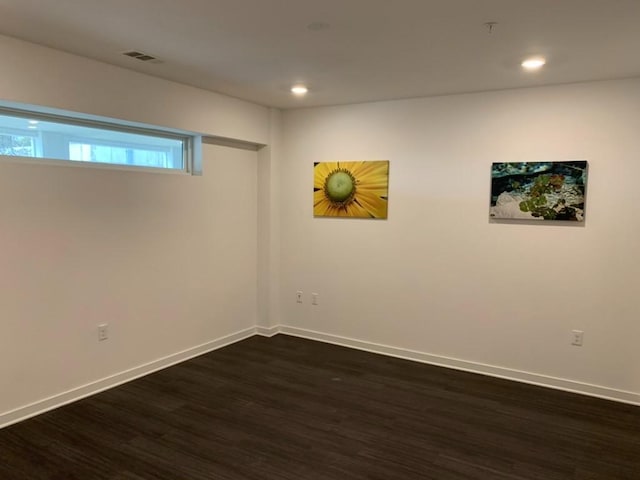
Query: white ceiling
[[371, 50]]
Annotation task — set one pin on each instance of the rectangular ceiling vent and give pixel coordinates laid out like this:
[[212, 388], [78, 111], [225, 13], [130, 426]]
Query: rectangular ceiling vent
[[143, 57]]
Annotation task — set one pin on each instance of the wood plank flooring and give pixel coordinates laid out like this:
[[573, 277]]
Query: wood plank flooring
[[285, 408]]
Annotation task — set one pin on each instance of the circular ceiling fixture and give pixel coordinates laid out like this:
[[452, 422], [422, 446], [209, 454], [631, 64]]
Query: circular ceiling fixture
[[534, 63], [299, 90]]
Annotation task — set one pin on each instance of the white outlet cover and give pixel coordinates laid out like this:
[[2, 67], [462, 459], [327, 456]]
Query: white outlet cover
[[103, 332], [577, 338]]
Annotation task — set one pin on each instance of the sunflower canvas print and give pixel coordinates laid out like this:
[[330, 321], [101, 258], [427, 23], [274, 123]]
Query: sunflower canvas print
[[351, 189]]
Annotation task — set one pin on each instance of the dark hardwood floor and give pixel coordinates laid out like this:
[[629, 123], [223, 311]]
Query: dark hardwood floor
[[287, 408]]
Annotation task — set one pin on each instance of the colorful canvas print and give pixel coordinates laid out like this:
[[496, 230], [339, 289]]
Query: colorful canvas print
[[539, 190], [351, 189]]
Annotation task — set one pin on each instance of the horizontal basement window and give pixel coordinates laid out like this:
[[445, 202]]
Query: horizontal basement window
[[57, 137]]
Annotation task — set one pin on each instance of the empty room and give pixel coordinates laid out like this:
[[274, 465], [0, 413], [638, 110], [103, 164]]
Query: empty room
[[319, 240]]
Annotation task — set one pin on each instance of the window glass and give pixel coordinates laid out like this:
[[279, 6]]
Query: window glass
[[39, 136]]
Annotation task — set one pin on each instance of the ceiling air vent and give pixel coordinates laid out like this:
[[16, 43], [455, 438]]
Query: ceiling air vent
[[143, 57]]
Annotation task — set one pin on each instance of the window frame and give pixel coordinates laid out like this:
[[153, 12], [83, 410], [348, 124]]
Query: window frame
[[191, 163]]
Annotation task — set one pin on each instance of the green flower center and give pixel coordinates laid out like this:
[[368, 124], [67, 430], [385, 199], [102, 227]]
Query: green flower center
[[340, 186]]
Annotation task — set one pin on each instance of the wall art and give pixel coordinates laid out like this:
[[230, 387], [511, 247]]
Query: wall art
[[539, 190], [351, 189]]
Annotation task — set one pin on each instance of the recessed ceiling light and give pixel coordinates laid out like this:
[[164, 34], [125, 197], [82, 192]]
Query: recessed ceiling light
[[299, 90], [533, 63], [33, 122], [32, 127]]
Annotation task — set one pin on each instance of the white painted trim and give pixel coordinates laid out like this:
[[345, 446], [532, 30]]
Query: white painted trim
[[267, 331], [52, 162], [55, 401], [607, 393]]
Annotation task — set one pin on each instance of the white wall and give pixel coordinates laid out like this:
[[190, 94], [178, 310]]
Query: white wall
[[437, 280], [269, 228], [51, 78], [169, 261]]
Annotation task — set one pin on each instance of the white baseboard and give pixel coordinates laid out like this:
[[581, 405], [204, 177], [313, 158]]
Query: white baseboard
[[267, 331], [55, 401], [607, 393]]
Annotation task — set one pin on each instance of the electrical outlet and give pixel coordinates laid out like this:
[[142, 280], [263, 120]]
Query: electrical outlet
[[299, 296], [577, 337], [103, 332], [314, 299]]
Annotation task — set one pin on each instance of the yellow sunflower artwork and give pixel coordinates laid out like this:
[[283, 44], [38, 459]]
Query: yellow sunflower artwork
[[351, 189]]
